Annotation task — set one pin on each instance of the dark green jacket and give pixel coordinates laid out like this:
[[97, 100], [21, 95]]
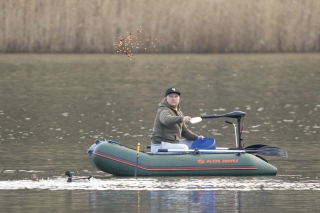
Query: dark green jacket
[[168, 125]]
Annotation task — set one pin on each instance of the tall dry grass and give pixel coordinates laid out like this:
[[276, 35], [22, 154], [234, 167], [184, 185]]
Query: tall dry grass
[[199, 26]]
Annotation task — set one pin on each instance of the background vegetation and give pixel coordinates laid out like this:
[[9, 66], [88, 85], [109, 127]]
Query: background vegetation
[[164, 26]]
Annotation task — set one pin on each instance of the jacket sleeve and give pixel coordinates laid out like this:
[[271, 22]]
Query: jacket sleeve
[[167, 118], [187, 134]]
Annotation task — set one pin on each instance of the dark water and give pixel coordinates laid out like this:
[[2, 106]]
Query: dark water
[[52, 107], [158, 201]]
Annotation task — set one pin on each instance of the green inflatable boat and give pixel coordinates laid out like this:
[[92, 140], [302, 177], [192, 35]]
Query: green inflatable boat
[[112, 157]]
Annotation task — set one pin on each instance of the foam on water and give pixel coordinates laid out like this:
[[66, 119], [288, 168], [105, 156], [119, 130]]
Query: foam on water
[[162, 184]]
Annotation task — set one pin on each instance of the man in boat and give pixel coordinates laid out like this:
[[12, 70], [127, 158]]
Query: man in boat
[[170, 125]]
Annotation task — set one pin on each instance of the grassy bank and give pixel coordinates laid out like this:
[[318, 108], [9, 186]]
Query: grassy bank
[[206, 26]]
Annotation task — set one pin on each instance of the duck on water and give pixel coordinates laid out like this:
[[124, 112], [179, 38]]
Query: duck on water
[[75, 179]]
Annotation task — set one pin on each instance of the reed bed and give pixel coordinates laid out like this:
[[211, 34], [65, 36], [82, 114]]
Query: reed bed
[[166, 26]]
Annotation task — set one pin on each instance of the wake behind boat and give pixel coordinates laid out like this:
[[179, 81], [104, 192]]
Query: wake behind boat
[[112, 157]]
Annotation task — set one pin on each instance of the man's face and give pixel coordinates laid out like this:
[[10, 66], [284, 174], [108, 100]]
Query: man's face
[[173, 99]]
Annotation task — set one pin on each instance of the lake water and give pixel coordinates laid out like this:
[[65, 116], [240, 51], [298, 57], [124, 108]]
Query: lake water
[[52, 107]]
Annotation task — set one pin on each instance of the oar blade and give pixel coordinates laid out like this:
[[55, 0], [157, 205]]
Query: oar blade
[[195, 120], [274, 151], [267, 150]]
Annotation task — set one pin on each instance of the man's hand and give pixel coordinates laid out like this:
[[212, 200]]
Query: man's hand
[[200, 137], [186, 119]]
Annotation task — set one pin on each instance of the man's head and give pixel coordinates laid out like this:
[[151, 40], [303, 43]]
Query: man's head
[[172, 97]]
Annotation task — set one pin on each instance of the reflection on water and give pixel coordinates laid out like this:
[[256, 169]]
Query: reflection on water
[[52, 107], [157, 201], [172, 201], [197, 201]]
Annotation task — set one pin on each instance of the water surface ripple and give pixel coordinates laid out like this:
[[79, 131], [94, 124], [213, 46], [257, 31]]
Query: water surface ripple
[[52, 108]]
